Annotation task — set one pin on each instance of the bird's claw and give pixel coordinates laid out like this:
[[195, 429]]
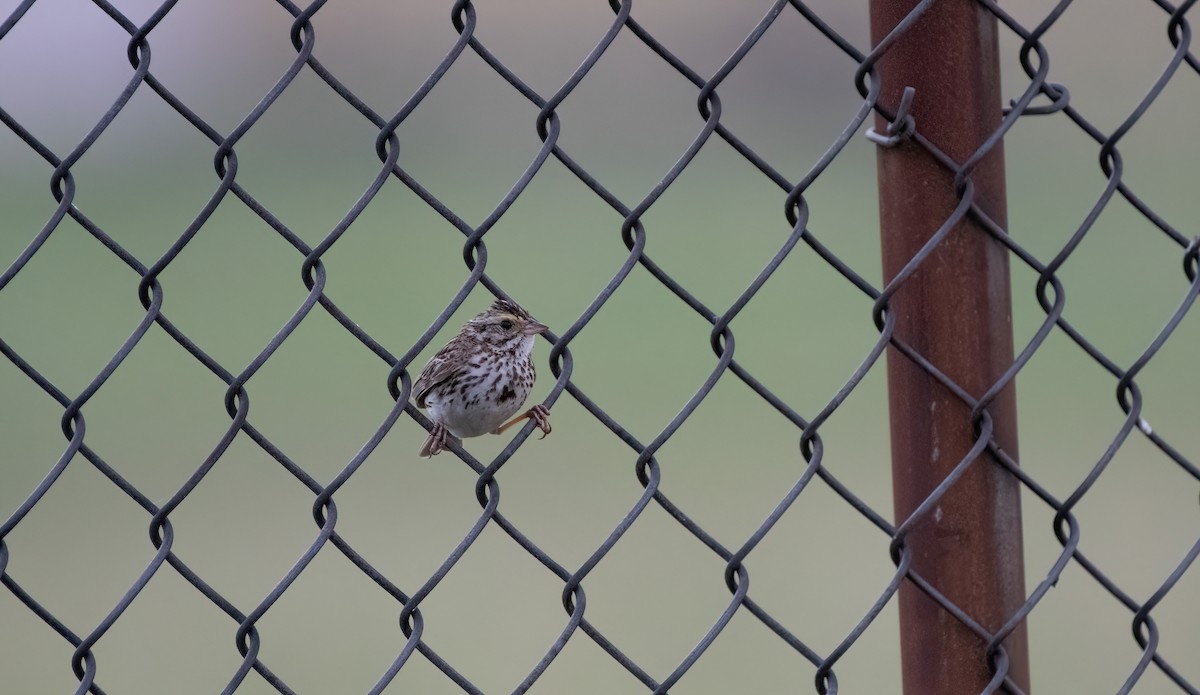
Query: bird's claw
[[436, 442], [540, 415], [541, 418]]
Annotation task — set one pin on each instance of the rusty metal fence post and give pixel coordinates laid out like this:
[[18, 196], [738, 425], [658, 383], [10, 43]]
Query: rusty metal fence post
[[952, 307]]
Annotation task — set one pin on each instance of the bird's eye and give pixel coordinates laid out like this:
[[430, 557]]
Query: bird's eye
[[506, 325]]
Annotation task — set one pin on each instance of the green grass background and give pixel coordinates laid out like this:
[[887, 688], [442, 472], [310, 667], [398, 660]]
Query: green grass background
[[323, 394]]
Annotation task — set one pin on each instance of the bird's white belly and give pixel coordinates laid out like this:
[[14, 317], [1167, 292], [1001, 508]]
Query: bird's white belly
[[468, 417], [467, 422]]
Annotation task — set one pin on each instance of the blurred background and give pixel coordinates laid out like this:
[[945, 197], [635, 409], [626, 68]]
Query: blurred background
[[323, 394]]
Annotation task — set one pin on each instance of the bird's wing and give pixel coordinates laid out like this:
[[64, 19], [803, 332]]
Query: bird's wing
[[442, 366]]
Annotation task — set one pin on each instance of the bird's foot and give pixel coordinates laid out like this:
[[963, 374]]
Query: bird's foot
[[538, 413], [435, 443]]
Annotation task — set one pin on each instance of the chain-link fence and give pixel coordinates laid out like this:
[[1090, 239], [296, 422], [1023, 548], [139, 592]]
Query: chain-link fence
[[300, 545]]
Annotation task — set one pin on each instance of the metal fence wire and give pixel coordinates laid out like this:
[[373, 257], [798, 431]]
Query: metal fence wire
[[1149, 648]]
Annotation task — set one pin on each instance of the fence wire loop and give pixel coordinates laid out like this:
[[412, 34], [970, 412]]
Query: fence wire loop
[[902, 125], [1059, 95]]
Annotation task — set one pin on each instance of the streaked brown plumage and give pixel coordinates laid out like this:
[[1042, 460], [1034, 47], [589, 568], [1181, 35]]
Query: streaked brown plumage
[[481, 378]]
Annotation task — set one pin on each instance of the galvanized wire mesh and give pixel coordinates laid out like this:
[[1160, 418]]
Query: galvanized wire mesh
[[1039, 97]]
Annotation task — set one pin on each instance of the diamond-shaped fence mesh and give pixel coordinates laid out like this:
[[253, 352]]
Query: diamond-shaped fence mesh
[[683, 192]]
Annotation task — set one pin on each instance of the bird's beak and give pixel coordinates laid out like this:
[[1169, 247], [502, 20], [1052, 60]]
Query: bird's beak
[[535, 328]]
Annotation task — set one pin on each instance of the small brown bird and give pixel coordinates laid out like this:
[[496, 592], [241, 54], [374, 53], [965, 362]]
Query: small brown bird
[[481, 377]]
